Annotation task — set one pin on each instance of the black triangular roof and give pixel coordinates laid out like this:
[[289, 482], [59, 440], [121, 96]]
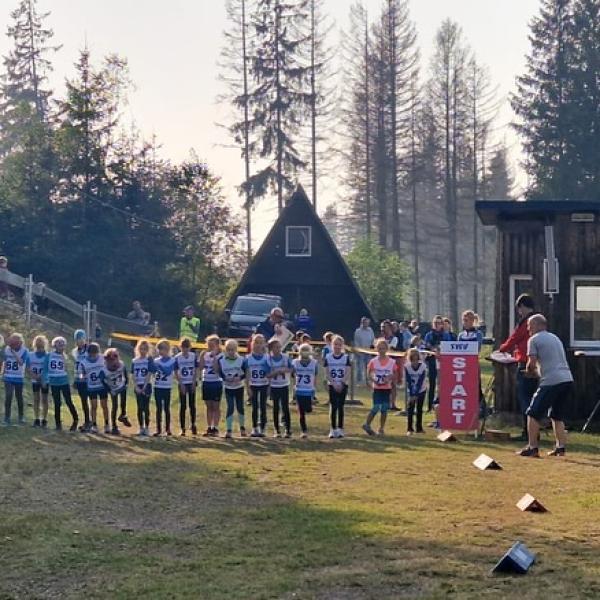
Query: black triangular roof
[[300, 211]]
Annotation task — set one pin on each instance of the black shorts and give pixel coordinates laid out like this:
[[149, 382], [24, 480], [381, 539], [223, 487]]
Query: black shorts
[[38, 387], [550, 401], [212, 392], [304, 403], [94, 395]]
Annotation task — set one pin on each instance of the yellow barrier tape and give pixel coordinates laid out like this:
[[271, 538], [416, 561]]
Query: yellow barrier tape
[[202, 345]]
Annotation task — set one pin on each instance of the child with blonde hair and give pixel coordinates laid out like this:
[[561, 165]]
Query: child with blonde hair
[[338, 371], [90, 372], [305, 369], [231, 369], [142, 368], [212, 384], [55, 372], [279, 377], [186, 372], [35, 367], [13, 371], [164, 370], [257, 383]]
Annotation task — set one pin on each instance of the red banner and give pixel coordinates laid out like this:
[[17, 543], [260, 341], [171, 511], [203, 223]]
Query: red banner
[[459, 386]]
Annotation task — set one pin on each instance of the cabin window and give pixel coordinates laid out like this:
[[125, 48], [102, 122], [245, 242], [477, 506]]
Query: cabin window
[[585, 311], [519, 284], [298, 241]]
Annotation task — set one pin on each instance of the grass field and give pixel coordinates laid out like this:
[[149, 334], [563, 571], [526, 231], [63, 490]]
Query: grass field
[[394, 517]]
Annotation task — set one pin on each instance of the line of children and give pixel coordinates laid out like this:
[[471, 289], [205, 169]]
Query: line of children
[[265, 372]]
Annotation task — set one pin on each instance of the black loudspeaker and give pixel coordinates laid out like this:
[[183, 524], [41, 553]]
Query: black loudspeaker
[[531, 504], [446, 436], [517, 560], [484, 462]]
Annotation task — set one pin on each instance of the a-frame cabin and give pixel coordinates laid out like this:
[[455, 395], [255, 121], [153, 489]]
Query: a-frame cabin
[[300, 262]]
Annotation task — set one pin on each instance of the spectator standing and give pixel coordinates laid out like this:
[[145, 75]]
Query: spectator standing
[[546, 356], [364, 337], [138, 314], [268, 328], [517, 345], [190, 325], [405, 336], [3, 284]]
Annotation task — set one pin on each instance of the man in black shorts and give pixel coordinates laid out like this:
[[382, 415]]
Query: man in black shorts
[[545, 352]]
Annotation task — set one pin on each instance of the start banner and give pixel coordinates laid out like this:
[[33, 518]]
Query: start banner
[[459, 385]]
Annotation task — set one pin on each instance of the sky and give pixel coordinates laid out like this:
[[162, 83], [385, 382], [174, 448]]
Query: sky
[[173, 47]]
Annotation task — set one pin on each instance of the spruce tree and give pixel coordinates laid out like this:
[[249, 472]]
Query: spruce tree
[[542, 103], [280, 97]]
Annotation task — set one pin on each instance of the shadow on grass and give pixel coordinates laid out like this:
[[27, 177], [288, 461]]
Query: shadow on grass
[[166, 527]]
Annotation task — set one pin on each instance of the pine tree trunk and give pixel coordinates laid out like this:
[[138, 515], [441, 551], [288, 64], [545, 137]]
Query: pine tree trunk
[[367, 107], [394, 126], [415, 223]]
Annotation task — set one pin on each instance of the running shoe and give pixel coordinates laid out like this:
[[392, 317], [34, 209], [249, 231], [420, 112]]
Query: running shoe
[[243, 432], [115, 431], [123, 419], [182, 433], [340, 433], [228, 435], [288, 434], [74, 426], [36, 423], [368, 429], [332, 434], [194, 430], [304, 435], [44, 424], [107, 428], [528, 451], [558, 451]]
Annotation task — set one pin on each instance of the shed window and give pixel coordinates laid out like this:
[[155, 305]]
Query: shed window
[[298, 241], [585, 311]]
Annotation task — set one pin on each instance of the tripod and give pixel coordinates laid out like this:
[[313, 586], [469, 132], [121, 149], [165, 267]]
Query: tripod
[[595, 410]]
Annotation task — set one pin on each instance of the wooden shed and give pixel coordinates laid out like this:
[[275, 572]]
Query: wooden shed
[[551, 250], [300, 262]]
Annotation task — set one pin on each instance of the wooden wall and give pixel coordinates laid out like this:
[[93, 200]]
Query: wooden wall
[[521, 250]]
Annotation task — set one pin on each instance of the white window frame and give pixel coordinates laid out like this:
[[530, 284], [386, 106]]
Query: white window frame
[[577, 343], [511, 295], [287, 240]]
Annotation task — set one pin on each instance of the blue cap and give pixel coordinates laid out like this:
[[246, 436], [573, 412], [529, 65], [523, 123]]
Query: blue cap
[[79, 335]]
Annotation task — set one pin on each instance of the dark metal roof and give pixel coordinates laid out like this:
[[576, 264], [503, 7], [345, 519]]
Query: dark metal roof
[[492, 211]]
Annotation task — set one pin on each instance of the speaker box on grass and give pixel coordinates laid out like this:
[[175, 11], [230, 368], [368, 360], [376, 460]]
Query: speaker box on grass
[[517, 560], [484, 462], [446, 436], [531, 504]]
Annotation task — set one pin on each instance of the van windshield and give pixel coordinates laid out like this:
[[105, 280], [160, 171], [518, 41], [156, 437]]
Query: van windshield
[[253, 306]]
